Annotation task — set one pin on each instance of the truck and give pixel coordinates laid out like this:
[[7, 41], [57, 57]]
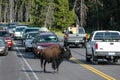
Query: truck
[[104, 45], [75, 39]]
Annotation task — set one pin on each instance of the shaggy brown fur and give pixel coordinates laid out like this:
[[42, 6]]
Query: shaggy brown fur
[[54, 55]]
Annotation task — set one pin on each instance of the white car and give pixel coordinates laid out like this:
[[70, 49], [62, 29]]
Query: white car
[[28, 41], [18, 32], [105, 45]]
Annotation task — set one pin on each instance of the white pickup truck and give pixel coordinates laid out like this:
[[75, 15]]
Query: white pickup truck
[[103, 45]]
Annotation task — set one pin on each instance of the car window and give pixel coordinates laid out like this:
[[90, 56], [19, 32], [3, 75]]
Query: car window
[[107, 36], [81, 31], [4, 34], [11, 27], [20, 29]]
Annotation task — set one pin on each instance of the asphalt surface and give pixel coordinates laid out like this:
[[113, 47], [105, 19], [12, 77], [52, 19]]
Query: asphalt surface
[[21, 65]]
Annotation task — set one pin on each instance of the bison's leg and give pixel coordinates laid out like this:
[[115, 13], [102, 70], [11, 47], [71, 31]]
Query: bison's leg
[[44, 65], [41, 64], [58, 62]]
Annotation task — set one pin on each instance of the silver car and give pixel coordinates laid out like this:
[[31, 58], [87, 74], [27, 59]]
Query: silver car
[[3, 47], [28, 41]]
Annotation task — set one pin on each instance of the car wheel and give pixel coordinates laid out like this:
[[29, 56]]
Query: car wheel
[[6, 53], [94, 59], [87, 57]]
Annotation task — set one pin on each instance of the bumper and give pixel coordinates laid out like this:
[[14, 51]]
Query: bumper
[[17, 37], [2, 51], [117, 54]]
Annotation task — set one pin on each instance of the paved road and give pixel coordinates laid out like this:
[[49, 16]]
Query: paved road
[[21, 65]]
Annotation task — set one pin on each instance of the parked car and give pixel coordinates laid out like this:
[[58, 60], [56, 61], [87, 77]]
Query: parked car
[[28, 40], [18, 31], [3, 47], [43, 40], [26, 30], [105, 45], [6, 35], [75, 39]]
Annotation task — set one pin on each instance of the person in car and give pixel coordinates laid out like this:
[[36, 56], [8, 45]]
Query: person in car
[[73, 29]]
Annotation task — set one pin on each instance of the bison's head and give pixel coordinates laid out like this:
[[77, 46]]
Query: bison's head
[[66, 53]]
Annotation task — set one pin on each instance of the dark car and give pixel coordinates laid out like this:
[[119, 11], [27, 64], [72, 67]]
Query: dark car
[[6, 35], [3, 47], [43, 40]]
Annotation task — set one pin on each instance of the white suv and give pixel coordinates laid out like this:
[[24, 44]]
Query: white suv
[[18, 32]]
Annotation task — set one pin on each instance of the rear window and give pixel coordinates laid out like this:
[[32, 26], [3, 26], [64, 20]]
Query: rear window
[[107, 36], [11, 27], [81, 31], [4, 34]]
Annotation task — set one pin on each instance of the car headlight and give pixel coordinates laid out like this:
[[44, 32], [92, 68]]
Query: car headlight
[[40, 47]]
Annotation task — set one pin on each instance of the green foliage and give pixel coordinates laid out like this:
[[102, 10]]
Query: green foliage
[[39, 9], [63, 16]]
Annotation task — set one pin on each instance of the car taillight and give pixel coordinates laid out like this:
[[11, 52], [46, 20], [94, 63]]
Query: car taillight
[[67, 36], [96, 46], [87, 36], [11, 35]]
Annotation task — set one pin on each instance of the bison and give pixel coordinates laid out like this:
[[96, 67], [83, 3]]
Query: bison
[[54, 54]]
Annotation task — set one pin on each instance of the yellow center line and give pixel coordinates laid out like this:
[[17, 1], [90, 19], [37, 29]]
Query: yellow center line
[[107, 77]]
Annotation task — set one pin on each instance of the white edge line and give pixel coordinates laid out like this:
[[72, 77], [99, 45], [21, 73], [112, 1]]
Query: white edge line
[[36, 78]]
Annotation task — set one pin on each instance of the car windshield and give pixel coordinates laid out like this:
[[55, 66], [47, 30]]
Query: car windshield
[[47, 38], [107, 36], [31, 35], [4, 34], [81, 31], [11, 27], [20, 29]]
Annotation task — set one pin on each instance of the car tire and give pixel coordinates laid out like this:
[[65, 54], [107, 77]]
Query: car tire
[[94, 59], [6, 53], [88, 59]]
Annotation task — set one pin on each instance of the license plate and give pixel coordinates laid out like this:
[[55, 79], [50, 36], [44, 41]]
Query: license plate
[[111, 53]]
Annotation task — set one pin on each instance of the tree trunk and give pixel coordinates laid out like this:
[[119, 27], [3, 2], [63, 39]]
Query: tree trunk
[[11, 4], [0, 10]]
